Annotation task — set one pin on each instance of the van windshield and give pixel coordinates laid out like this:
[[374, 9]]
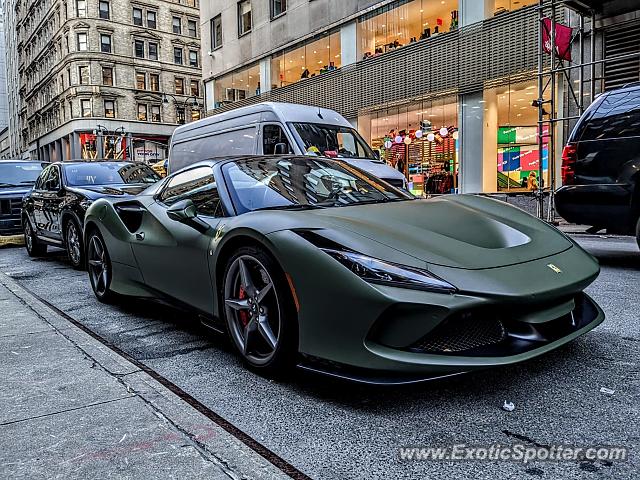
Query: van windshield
[[332, 141]]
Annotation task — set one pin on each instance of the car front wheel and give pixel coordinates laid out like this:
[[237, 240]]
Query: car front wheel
[[99, 266], [73, 243], [259, 312]]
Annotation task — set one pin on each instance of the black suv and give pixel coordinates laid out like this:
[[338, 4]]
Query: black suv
[[16, 179], [601, 165], [53, 212]]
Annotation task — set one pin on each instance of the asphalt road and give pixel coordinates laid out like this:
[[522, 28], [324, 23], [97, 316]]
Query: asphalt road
[[332, 430]]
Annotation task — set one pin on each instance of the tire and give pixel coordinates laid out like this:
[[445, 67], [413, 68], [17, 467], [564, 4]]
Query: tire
[[259, 312], [74, 244], [35, 248], [99, 268], [638, 232]]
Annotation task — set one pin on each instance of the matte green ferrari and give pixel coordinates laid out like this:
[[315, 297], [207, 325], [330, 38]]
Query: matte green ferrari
[[311, 262]]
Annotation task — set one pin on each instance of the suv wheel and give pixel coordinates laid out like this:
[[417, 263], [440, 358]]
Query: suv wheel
[[638, 232], [35, 248]]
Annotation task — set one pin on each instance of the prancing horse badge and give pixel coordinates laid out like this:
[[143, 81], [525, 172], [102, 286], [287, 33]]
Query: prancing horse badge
[[554, 268]]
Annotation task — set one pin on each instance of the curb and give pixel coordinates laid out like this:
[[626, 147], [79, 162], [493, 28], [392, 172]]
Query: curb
[[235, 458]]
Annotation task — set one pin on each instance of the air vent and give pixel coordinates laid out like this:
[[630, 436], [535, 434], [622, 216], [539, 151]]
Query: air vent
[[619, 41]]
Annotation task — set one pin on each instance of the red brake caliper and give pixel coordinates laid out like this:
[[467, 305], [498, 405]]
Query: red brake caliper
[[244, 316]]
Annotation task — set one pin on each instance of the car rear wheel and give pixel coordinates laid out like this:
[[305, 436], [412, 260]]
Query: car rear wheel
[[73, 244], [99, 266], [35, 248], [259, 312]]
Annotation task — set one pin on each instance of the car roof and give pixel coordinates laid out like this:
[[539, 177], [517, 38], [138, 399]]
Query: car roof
[[95, 162], [234, 158]]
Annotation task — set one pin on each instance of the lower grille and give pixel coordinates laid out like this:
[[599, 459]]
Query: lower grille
[[462, 333]]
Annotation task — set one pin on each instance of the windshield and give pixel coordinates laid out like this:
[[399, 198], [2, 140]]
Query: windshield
[[85, 174], [332, 141], [18, 174], [303, 182]]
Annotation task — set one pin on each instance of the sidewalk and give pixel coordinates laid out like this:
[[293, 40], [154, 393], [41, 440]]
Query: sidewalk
[[72, 408]]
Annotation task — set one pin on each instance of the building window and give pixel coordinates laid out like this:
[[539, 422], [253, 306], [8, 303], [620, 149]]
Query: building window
[[179, 86], [278, 7], [103, 9], [190, 3], [194, 86], [83, 75], [177, 25], [153, 51], [107, 76], [154, 82], [195, 114], [82, 42], [177, 56], [137, 16], [155, 113], [151, 19], [193, 28], [85, 107], [105, 43], [180, 116], [216, 32], [193, 58], [110, 109], [81, 8], [141, 81], [244, 17], [142, 112], [139, 48]]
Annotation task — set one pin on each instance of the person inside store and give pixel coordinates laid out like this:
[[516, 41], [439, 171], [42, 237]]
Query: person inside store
[[305, 73], [426, 33], [532, 181]]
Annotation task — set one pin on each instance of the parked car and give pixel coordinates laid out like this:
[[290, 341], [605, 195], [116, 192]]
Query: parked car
[[53, 211], [601, 165], [309, 261], [277, 128], [16, 179]]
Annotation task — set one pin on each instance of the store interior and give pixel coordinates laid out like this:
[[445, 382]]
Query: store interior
[[422, 141]]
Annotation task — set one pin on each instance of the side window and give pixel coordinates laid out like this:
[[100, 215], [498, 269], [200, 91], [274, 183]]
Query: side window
[[617, 116], [197, 185], [271, 136], [52, 182], [42, 179], [236, 142]]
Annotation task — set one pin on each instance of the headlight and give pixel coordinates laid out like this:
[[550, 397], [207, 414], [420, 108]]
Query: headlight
[[378, 271]]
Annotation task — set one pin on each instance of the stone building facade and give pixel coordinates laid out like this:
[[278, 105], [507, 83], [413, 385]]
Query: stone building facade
[[106, 78]]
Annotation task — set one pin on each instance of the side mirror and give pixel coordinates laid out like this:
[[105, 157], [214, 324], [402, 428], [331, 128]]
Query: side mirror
[[281, 149], [182, 211]]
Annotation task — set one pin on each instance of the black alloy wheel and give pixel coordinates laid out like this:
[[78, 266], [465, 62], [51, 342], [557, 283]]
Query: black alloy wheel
[[73, 244], [99, 266], [259, 312], [35, 248]]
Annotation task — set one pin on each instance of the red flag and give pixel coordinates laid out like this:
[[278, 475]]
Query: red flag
[[563, 39]]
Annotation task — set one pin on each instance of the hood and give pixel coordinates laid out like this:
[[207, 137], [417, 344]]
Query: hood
[[461, 231], [113, 190], [19, 191]]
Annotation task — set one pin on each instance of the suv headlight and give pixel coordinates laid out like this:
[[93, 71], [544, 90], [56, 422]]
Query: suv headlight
[[378, 271]]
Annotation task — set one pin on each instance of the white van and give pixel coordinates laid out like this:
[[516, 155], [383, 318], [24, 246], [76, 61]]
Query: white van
[[276, 128]]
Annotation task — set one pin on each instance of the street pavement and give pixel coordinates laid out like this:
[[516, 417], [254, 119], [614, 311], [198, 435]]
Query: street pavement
[[334, 430]]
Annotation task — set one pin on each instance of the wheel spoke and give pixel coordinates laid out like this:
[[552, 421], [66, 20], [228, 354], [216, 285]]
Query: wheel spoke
[[245, 277], [263, 293], [237, 304], [247, 334], [265, 330]]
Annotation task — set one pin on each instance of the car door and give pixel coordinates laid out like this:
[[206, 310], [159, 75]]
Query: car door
[[35, 202], [173, 256], [52, 197]]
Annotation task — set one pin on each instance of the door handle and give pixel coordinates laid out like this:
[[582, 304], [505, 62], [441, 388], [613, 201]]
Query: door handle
[[140, 236]]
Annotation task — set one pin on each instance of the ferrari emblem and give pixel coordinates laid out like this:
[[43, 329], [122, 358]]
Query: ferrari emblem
[[554, 268]]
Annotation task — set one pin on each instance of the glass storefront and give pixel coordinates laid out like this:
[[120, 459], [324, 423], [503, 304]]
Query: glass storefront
[[237, 85], [504, 6], [404, 22], [421, 141], [518, 153], [320, 55]]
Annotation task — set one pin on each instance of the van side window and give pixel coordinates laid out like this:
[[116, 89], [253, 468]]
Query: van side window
[[617, 116], [236, 142], [271, 136], [197, 185]]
